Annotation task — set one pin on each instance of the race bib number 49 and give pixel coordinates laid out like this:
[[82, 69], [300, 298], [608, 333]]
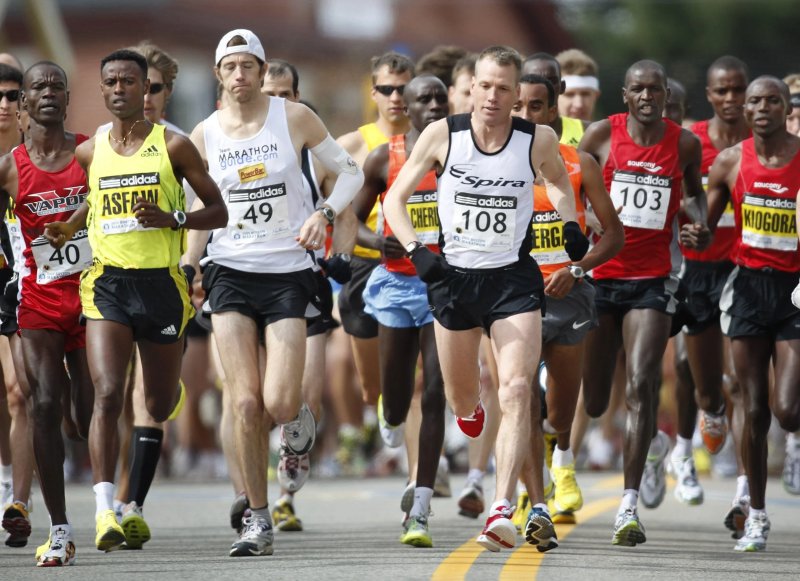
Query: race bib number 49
[[258, 214], [644, 198], [484, 223], [55, 263]]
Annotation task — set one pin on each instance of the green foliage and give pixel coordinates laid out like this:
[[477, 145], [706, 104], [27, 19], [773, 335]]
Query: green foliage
[[685, 36]]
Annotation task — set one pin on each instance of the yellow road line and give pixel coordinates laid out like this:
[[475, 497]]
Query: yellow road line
[[526, 560], [457, 564]]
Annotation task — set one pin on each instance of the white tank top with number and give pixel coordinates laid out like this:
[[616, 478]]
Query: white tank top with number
[[262, 185], [486, 199]]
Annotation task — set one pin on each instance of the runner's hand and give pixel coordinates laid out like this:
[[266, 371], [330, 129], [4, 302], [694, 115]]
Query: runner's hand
[[391, 248], [431, 267], [57, 233], [150, 215], [336, 268], [558, 284], [575, 242]]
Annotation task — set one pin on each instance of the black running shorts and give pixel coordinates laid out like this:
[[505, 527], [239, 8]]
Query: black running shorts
[[351, 300], [703, 283], [759, 302], [470, 298]]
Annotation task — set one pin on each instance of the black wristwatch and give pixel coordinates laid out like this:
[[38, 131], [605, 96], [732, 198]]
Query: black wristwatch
[[329, 214], [343, 256], [412, 247], [180, 219], [576, 271]]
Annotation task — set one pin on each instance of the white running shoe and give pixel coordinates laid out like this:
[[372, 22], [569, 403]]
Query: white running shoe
[[293, 470], [392, 436], [407, 500], [737, 515], [791, 465], [256, 538], [628, 529], [687, 488], [6, 494], [499, 531], [654, 480], [61, 551], [299, 434], [756, 531]]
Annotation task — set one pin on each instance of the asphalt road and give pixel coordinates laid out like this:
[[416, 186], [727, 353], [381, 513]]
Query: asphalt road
[[352, 529]]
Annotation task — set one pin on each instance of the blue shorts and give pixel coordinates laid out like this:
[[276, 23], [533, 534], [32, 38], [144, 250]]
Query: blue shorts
[[396, 300]]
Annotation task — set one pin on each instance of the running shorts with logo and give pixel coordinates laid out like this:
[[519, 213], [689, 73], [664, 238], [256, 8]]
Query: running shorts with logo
[[469, 298], [397, 300], [568, 319], [263, 297], [703, 283], [351, 300], [759, 302], [617, 297], [154, 302]]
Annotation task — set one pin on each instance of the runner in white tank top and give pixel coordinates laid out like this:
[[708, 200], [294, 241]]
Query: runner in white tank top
[[257, 275], [487, 279]]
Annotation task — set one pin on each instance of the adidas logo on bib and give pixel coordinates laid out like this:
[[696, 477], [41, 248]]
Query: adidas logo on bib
[[169, 330]]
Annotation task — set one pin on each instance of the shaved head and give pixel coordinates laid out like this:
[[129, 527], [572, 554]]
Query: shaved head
[[769, 80], [645, 66], [727, 63], [415, 84]]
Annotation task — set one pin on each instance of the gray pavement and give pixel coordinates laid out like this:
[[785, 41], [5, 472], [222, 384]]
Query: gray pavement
[[353, 526]]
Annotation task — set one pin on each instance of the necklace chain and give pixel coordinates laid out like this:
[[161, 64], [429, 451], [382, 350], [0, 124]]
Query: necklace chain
[[124, 140]]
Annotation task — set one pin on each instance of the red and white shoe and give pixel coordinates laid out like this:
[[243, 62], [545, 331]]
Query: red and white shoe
[[472, 426], [499, 531]]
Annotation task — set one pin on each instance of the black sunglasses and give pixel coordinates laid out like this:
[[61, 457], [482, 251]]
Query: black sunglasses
[[11, 95], [156, 88], [389, 89]]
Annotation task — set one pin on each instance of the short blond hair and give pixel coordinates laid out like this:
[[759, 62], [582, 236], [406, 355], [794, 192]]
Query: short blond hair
[[574, 61], [158, 59]]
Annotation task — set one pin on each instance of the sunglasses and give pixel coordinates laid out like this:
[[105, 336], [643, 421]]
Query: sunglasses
[[387, 90], [11, 95], [156, 88]]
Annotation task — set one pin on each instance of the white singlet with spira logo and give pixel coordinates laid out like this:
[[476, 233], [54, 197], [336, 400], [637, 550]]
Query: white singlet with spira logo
[[486, 199], [262, 185]]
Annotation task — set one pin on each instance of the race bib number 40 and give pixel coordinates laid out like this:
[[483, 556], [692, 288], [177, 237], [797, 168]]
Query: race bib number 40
[[769, 223], [55, 263], [644, 198], [258, 214], [484, 223]]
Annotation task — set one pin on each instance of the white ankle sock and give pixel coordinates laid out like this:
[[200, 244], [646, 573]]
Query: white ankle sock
[[630, 499], [742, 486], [422, 501], [682, 449], [562, 458], [103, 496]]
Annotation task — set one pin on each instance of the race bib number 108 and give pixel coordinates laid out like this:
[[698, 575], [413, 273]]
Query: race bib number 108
[[484, 223]]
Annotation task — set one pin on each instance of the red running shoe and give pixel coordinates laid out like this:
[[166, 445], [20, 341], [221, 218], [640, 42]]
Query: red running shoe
[[472, 426]]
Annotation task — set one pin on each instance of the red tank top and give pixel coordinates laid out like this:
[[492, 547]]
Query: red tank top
[[547, 226], [725, 235], [646, 183], [44, 197], [764, 203], [421, 206]]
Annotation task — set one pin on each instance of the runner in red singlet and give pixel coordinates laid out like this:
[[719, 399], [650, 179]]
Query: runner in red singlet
[[645, 160], [761, 177], [47, 184]]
